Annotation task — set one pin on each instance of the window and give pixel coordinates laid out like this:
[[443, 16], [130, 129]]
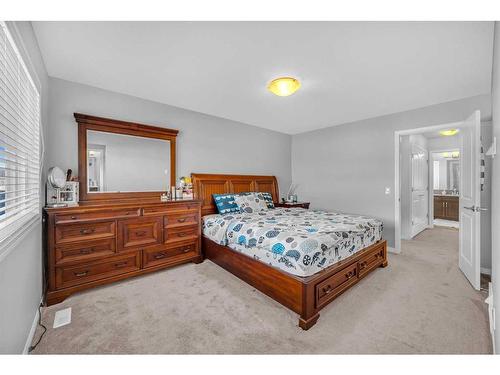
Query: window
[[19, 140]]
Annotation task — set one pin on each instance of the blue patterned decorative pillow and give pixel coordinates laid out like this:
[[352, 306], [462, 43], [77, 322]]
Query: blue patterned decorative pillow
[[251, 203], [225, 203], [269, 199]]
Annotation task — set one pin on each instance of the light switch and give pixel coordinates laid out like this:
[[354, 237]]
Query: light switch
[[387, 190]]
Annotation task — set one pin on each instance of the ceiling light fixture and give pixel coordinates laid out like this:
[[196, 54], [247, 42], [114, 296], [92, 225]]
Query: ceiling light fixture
[[284, 86], [448, 132]]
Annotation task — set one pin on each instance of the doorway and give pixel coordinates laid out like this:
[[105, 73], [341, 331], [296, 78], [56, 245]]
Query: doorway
[[445, 180], [414, 187]]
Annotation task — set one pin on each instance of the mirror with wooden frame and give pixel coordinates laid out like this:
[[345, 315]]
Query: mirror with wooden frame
[[123, 160]]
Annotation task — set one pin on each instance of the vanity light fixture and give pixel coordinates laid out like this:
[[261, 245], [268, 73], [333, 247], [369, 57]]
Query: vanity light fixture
[[452, 154], [448, 132], [283, 86]]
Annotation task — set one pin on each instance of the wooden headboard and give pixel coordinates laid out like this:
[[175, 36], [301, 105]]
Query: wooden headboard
[[207, 184]]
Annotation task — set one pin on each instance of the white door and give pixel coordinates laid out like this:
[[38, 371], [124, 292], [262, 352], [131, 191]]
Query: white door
[[419, 189], [470, 199]]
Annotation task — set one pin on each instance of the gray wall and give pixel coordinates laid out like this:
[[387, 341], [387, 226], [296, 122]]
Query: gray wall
[[21, 266], [204, 144], [444, 143], [347, 167], [495, 186]]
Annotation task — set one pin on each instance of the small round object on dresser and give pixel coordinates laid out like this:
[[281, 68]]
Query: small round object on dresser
[[56, 177]]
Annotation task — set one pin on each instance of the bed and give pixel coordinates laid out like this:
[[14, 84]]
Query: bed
[[302, 259]]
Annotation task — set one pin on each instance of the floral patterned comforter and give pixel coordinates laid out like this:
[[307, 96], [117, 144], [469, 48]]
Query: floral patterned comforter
[[298, 241]]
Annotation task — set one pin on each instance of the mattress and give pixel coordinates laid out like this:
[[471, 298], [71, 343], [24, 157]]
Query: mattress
[[298, 241]]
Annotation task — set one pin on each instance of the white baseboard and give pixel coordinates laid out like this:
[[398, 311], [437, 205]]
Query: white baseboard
[[486, 271], [29, 340], [393, 250]]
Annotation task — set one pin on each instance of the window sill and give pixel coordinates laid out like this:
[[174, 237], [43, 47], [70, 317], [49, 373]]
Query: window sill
[[17, 234]]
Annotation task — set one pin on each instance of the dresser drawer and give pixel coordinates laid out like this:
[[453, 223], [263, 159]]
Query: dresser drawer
[[79, 274], [370, 261], [153, 257], [176, 234], [335, 284], [66, 233], [171, 208], [145, 231], [151, 211], [185, 206], [179, 219], [82, 252], [89, 216]]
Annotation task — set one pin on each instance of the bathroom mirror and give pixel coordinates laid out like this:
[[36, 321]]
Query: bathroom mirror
[[123, 160], [446, 171]]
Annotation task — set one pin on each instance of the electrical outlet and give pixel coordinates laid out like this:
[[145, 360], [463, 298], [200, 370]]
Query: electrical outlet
[[62, 318]]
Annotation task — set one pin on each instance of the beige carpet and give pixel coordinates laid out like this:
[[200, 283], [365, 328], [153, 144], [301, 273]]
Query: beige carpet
[[421, 303]]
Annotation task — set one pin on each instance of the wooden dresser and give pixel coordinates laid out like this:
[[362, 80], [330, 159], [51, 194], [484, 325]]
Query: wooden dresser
[[96, 244]]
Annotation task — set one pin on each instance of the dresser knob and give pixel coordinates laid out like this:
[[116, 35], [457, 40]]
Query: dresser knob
[[80, 274], [327, 290], [186, 249], [74, 217], [349, 275], [160, 256], [87, 231], [87, 251], [182, 220]]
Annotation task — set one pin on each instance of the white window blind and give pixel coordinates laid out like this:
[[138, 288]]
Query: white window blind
[[19, 140]]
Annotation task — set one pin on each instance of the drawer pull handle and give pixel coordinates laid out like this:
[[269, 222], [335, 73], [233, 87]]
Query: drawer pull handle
[[140, 233], [182, 234], [186, 249], [87, 251], [350, 275], [363, 265], [182, 220], [74, 217], [122, 264], [81, 274], [160, 256], [327, 290], [87, 231]]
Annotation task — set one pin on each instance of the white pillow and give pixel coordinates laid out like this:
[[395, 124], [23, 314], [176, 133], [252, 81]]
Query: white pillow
[[253, 202]]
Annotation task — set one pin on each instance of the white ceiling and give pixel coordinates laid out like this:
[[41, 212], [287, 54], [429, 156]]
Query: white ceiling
[[349, 70]]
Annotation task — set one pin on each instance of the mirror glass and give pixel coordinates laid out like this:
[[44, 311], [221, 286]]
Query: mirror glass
[[447, 171], [126, 163]]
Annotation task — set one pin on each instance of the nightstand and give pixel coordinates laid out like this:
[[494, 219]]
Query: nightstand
[[292, 205]]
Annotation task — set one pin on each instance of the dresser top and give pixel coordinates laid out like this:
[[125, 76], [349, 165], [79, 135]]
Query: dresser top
[[93, 206]]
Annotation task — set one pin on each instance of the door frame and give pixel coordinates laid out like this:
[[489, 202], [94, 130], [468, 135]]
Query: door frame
[[397, 185], [431, 177]]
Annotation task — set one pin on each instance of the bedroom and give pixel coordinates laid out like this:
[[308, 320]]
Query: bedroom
[[295, 245]]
